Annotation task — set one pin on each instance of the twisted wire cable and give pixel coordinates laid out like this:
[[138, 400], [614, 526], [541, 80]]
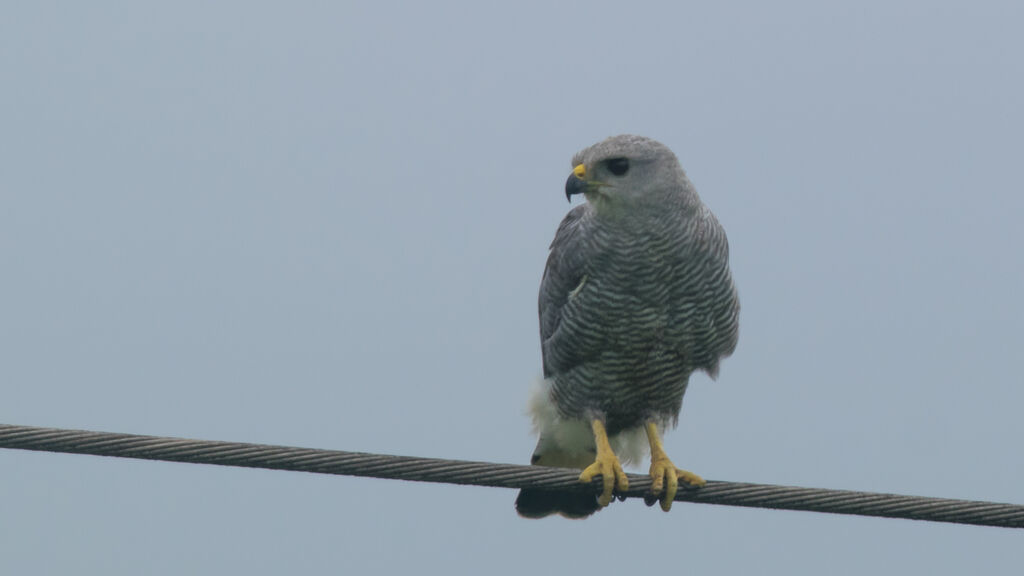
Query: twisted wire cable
[[499, 475]]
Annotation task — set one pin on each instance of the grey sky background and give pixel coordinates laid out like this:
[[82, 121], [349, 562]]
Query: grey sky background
[[324, 225]]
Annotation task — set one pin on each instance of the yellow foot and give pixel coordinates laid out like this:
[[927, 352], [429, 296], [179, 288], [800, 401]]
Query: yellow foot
[[665, 477], [606, 465], [611, 473]]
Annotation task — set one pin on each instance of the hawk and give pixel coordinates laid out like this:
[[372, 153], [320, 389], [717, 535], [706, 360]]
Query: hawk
[[636, 296]]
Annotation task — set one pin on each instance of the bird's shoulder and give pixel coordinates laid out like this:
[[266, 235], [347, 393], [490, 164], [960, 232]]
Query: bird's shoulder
[[565, 257], [570, 227]]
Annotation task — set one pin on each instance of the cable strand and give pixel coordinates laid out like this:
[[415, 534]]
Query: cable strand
[[499, 475]]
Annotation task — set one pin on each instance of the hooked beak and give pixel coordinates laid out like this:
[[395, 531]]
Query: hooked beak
[[576, 184]]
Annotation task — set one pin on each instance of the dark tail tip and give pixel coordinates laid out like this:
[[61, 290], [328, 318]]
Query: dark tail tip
[[541, 503]]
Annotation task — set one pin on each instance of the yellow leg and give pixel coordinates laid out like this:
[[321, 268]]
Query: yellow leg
[[606, 464], [664, 474]]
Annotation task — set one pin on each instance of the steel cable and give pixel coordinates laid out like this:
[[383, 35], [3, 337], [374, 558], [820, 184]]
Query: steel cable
[[498, 475]]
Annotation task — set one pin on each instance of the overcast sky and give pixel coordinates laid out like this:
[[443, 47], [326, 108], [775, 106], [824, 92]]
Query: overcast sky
[[324, 225]]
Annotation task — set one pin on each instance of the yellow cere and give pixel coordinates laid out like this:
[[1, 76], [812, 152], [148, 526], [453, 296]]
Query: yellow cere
[[580, 171]]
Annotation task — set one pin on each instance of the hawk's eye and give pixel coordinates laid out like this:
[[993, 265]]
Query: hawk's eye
[[617, 166]]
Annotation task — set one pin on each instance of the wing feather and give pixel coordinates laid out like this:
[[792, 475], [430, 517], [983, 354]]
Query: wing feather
[[565, 269]]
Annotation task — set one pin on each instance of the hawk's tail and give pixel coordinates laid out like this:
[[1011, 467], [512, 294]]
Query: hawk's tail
[[533, 503]]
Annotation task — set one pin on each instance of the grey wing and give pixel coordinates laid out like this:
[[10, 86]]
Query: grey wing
[[565, 270], [718, 303]]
